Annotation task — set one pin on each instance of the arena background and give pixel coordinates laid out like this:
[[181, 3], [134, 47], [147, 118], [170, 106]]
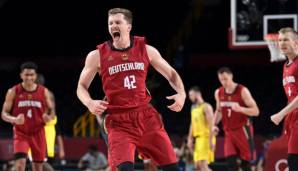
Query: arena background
[[192, 35]]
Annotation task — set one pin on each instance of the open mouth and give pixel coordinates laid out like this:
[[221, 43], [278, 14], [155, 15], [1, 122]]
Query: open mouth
[[116, 35]]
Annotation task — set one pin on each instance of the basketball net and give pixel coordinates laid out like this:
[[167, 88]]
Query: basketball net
[[272, 42]]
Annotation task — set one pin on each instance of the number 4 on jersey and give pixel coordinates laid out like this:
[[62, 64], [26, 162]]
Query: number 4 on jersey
[[29, 113], [129, 82]]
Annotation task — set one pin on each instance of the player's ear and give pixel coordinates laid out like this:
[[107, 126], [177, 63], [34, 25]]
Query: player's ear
[[21, 76], [295, 47], [296, 43], [129, 27]]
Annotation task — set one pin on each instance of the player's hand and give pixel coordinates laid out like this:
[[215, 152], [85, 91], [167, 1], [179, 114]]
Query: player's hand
[[179, 102], [97, 107], [237, 108], [19, 120], [277, 118], [215, 130], [46, 117]]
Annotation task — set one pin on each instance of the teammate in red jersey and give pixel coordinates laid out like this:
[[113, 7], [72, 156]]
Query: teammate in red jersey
[[288, 44], [131, 122], [28, 106], [234, 106]]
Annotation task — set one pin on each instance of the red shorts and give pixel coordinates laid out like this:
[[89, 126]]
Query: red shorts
[[240, 142], [36, 142], [140, 130], [291, 131]]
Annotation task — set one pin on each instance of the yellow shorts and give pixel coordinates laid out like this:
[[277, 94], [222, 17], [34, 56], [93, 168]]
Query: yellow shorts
[[202, 150], [50, 139]]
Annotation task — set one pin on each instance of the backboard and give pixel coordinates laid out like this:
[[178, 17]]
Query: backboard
[[251, 20]]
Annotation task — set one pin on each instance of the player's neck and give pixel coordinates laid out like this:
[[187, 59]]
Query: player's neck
[[29, 87], [291, 57], [199, 101], [231, 88], [122, 43]]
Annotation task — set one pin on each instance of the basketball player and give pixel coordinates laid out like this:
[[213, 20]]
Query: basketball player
[[201, 129], [28, 107], [235, 106], [288, 44], [132, 123], [52, 132]]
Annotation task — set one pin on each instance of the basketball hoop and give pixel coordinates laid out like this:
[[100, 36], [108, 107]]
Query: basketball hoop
[[272, 42]]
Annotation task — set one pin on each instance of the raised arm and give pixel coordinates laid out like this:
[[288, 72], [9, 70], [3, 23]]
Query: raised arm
[[92, 66], [163, 67], [251, 108], [7, 107]]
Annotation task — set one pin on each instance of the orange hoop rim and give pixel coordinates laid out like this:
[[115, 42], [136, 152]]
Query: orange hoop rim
[[271, 36]]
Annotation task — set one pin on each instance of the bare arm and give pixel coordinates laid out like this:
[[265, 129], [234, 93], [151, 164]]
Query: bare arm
[[209, 116], [278, 117], [210, 120], [60, 147], [51, 99], [163, 67], [190, 138], [7, 106], [251, 108], [50, 112], [290, 107], [92, 66], [50, 103], [88, 73], [217, 113]]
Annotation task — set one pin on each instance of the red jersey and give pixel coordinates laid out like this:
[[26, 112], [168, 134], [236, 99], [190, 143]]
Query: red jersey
[[123, 74], [33, 105], [232, 120], [290, 75]]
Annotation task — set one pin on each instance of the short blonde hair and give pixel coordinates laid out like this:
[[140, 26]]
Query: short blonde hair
[[289, 30], [127, 13]]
